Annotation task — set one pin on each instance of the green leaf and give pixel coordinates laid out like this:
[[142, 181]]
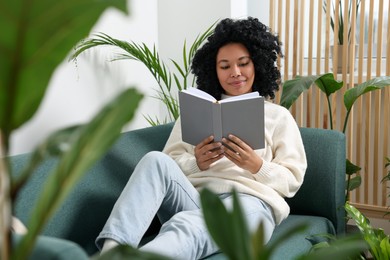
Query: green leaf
[[90, 143], [36, 36], [228, 229], [151, 59], [293, 88], [385, 247], [372, 236], [328, 84], [354, 183], [351, 95], [351, 168], [349, 247], [54, 146]]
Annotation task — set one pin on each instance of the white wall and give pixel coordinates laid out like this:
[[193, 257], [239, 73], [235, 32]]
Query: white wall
[[79, 89]]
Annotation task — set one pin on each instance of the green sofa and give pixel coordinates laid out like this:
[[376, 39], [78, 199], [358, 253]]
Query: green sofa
[[70, 234]]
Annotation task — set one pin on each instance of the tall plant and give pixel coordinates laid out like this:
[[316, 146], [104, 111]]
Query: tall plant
[[293, 88], [36, 38], [340, 19], [166, 79]]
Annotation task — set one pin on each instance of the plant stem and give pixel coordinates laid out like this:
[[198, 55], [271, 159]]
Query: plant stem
[[346, 121], [347, 188], [330, 112]]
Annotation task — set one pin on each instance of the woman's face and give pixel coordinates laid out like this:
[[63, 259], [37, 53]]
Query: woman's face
[[235, 69]]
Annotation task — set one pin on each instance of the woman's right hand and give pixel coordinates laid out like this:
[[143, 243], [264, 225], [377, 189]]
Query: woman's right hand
[[207, 152]]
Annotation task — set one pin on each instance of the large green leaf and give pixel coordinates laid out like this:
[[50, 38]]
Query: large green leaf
[[228, 229], [375, 238], [35, 38], [86, 146], [328, 84], [353, 183], [293, 88], [54, 146], [351, 95], [351, 168]]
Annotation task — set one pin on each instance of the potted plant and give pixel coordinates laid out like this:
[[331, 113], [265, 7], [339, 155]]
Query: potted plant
[[339, 28], [34, 43], [150, 57], [293, 88]]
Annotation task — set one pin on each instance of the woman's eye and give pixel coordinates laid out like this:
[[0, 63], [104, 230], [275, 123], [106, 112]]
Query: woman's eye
[[224, 67], [244, 64]]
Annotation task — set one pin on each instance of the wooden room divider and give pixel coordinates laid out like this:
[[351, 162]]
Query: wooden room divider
[[304, 27]]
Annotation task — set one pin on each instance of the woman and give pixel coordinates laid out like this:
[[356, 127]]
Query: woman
[[239, 57]]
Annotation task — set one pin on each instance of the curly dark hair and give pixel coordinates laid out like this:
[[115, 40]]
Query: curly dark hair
[[264, 48]]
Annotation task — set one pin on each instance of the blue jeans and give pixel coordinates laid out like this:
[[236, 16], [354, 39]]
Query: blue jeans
[[158, 186]]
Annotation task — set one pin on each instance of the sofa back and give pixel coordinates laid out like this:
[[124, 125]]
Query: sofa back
[[83, 214], [87, 208]]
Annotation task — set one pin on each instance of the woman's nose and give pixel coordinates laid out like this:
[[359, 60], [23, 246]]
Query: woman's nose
[[235, 71]]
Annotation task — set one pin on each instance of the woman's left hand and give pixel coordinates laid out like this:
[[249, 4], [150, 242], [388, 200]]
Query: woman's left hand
[[242, 154]]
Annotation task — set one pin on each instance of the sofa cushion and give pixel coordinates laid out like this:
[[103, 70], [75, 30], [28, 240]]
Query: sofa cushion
[[83, 214], [296, 245], [50, 248]]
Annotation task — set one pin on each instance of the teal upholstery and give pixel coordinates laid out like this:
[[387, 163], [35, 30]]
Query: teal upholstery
[[52, 248], [318, 203]]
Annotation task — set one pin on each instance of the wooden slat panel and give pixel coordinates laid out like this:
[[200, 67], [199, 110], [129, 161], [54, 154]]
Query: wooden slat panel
[[307, 47]]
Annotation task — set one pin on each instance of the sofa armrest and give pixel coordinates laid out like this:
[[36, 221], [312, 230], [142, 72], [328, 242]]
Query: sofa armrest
[[323, 190]]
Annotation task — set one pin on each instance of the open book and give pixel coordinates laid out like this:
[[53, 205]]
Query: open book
[[201, 116]]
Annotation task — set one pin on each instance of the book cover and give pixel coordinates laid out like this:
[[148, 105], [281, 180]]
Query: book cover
[[201, 116]]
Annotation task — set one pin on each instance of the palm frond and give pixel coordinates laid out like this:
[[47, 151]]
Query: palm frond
[[156, 66]]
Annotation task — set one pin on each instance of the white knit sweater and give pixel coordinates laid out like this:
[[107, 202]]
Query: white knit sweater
[[282, 172]]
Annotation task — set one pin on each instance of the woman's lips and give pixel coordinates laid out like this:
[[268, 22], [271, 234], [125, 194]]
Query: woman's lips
[[237, 83]]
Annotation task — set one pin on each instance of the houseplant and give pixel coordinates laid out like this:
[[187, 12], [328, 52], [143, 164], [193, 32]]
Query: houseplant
[[293, 88], [339, 14], [340, 18], [35, 39], [378, 241], [243, 245], [165, 78]]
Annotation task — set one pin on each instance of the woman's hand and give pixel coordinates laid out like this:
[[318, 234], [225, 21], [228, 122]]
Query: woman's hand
[[207, 152], [242, 154]]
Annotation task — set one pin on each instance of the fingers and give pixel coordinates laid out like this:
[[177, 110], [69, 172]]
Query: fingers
[[236, 145], [207, 152], [241, 154]]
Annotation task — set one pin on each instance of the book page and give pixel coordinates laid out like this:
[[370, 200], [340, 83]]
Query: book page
[[245, 119], [240, 97], [196, 118], [199, 93]]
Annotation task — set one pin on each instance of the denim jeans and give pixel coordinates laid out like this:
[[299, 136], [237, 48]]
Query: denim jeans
[[158, 186]]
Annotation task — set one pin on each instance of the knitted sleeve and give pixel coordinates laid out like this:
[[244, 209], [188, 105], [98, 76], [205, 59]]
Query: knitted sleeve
[[284, 171], [180, 151]]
